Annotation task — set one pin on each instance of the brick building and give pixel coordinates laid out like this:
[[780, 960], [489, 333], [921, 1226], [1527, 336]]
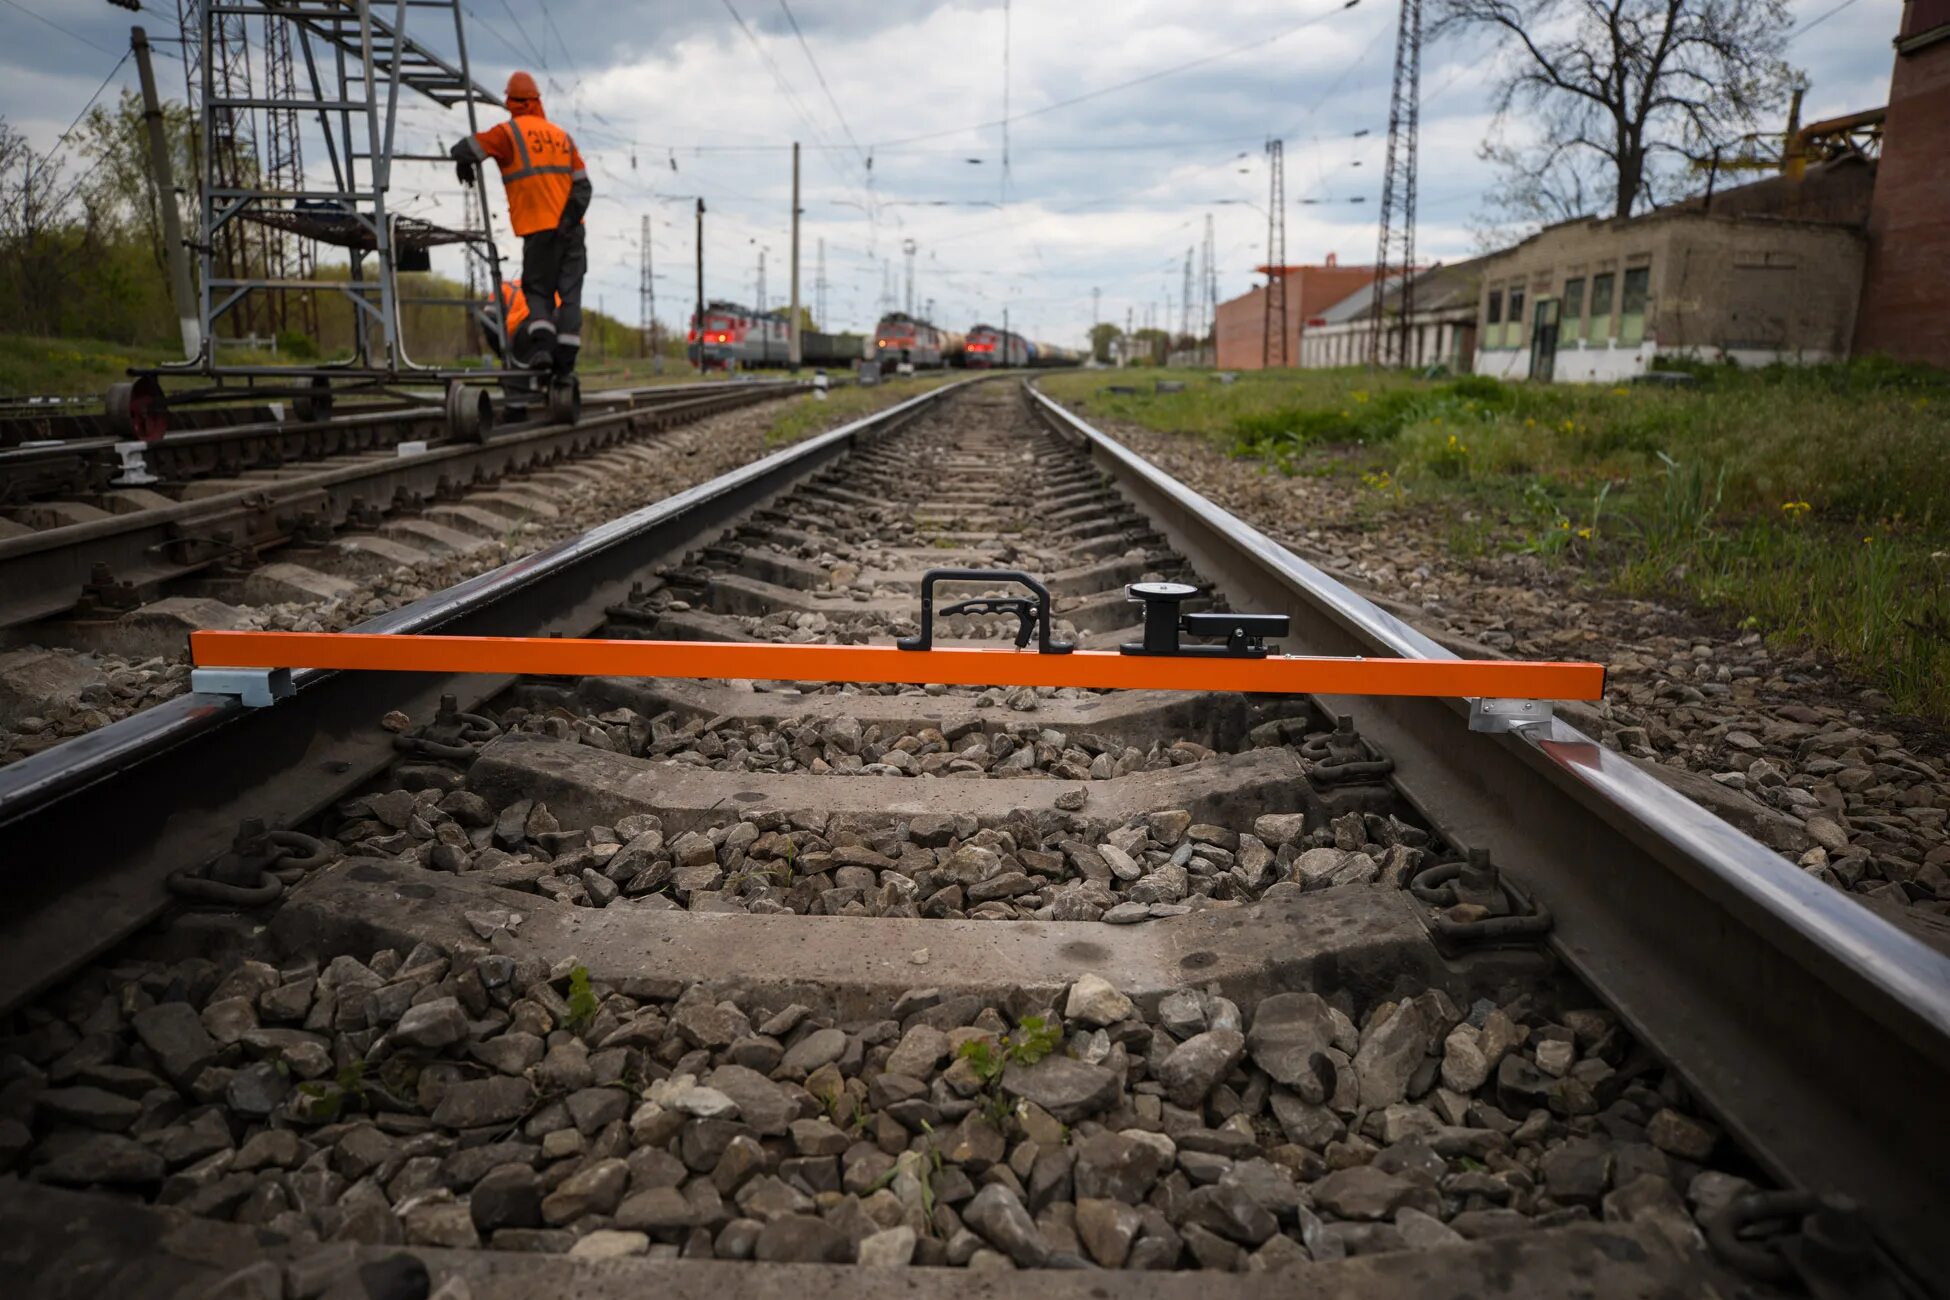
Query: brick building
[[1240, 329], [1905, 308]]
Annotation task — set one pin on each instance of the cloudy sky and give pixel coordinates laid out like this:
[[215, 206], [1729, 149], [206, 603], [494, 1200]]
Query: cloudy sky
[[1117, 151]]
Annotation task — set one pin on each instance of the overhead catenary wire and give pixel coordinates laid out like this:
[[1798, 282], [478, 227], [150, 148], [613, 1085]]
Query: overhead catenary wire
[[65, 31], [821, 76], [1818, 20], [1148, 77], [61, 143], [785, 87]]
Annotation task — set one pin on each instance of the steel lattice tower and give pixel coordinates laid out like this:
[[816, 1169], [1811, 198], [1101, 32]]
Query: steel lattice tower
[[1209, 277], [1185, 299], [1395, 247], [1276, 307], [819, 286], [224, 68], [287, 256], [646, 292]]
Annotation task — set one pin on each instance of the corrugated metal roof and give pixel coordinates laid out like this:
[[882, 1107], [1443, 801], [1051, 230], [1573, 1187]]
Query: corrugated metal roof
[[1437, 288], [1358, 304]]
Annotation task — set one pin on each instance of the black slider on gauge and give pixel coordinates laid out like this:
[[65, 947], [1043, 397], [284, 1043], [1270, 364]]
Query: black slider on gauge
[[1241, 636]]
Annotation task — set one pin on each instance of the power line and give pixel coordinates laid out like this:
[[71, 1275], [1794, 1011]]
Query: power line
[[65, 31], [778, 75], [62, 142], [540, 57], [1816, 22], [822, 79], [1101, 91]]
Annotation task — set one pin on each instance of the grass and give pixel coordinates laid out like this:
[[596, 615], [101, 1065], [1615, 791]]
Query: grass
[[798, 417], [1812, 504], [43, 367]]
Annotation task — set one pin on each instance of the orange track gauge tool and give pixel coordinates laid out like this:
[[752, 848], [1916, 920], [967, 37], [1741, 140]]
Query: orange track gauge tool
[[766, 661]]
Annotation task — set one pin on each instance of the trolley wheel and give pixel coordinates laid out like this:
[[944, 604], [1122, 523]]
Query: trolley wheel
[[316, 405], [565, 400], [470, 412], [136, 409]]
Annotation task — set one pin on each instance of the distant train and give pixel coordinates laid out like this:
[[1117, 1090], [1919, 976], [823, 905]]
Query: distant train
[[988, 347], [735, 337], [900, 338]]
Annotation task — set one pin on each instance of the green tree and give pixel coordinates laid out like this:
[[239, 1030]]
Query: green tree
[[1152, 345], [1103, 337]]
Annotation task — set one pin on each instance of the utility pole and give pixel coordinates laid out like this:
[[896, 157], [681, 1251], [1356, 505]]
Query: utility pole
[[646, 293], [697, 322], [792, 353], [1124, 352], [1276, 306], [180, 288], [761, 281], [907, 248]]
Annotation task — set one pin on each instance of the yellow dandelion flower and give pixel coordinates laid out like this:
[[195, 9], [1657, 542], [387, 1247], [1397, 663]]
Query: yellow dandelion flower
[[1585, 533], [1619, 392]]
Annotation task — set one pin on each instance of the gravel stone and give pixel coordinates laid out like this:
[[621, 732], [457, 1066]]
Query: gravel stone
[[1199, 1063]]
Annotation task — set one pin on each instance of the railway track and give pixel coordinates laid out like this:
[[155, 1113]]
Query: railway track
[[598, 985], [285, 525]]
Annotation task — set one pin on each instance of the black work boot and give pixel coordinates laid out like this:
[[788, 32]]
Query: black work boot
[[541, 342], [565, 359]]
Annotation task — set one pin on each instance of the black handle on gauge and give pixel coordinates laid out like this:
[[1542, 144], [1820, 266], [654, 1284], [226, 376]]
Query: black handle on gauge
[[925, 641]]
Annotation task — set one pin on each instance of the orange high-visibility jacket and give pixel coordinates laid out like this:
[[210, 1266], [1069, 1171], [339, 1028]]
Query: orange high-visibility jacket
[[539, 163], [514, 303]]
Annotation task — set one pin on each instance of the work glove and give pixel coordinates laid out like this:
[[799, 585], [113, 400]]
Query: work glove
[[464, 170]]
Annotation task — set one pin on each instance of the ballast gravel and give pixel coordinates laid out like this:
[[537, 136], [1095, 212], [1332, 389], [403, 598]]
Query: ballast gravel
[[429, 1099]]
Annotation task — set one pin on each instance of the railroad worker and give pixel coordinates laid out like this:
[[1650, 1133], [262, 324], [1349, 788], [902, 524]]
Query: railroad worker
[[547, 184]]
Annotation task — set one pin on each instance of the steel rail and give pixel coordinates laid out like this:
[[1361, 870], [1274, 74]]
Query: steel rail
[[1815, 1030], [360, 428], [42, 573], [92, 827]]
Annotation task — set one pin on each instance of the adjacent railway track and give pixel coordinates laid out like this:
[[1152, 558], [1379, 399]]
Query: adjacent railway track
[[226, 496], [600, 984]]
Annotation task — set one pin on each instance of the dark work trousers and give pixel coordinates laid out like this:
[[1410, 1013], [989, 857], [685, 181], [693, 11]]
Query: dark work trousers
[[552, 265]]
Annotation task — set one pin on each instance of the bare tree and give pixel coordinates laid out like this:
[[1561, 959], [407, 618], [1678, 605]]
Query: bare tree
[[1606, 97]]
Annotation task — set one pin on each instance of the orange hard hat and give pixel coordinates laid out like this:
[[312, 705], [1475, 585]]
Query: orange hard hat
[[522, 86]]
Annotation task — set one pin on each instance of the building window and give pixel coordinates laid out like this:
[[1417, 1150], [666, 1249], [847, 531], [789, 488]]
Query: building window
[[1572, 317], [1493, 322], [1513, 328], [1598, 323], [1631, 306]]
